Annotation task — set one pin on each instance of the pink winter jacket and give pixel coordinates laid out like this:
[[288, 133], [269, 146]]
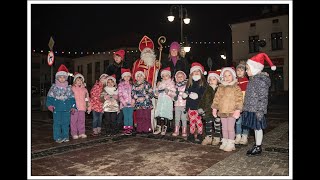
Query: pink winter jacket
[[180, 101], [80, 95], [124, 89]]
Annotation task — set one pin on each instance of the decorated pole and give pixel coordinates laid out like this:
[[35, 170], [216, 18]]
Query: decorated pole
[[51, 56], [161, 40]]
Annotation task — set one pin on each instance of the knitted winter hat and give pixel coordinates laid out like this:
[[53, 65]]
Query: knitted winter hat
[[184, 74], [175, 45], [120, 53]]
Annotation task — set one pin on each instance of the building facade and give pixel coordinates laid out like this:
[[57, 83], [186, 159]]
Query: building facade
[[269, 35]]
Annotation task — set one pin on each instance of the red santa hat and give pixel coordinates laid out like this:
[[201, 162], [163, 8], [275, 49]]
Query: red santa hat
[[120, 53], [78, 75], [230, 69], [184, 74], [139, 72], [146, 42], [166, 71], [103, 75], [112, 77], [62, 71], [197, 66], [125, 72], [256, 63], [215, 74]]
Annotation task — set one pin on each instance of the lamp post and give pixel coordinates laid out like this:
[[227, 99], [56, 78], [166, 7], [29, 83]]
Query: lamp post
[[185, 20]]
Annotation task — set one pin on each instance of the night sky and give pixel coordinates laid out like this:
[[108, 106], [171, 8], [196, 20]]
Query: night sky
[[108, 26]]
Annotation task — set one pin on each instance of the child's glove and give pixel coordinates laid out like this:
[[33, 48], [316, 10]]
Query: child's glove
[[73, 110], [166, 90], [200, 111], [184, 95], [175, 98], [236, 114], [51, 108], [193, 95], [214, 113]]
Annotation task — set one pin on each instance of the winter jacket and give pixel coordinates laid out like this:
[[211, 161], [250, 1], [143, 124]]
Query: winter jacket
[[62, 98], [109, 97], [228, 99], [96, 104], [243, 82], [81, 95], [125, 89], [181, 65], [256, 98], [193, 104], [115, 68], [180, 88], [165, 100], [206, 101], [142, 95]]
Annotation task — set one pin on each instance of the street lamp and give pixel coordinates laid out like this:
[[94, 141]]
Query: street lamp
[[185, 20]]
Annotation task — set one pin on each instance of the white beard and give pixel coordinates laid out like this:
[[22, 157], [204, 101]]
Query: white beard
[[147, 57]]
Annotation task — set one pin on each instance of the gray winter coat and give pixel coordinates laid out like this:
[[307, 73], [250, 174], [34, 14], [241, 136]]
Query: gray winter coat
[[256, 97]]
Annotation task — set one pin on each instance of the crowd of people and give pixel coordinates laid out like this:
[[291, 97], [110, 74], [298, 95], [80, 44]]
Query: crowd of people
[[160, 97]]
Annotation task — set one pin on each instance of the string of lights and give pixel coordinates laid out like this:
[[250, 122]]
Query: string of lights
[[136, 51]]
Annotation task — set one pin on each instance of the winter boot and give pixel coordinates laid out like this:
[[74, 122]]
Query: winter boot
[[95, 132], [158, 130], [215, 141], [230, 146], [207, 140], [164, 130], [254, 151], [99, 130], [224, 143], [238, 138], [244, 139], [184, 131], [176, 131]]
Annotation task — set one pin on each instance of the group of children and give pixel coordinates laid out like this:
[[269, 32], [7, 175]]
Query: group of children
[[220, 100]]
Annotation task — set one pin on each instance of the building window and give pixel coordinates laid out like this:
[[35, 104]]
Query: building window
[[105, 65], [97, 70], [276, 41], [80, 69], [253, 44], [89, 68], [275, 21], [252, 24]]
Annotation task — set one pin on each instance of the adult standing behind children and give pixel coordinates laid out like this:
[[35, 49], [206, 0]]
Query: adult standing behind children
[[118, 63], [175, 61]]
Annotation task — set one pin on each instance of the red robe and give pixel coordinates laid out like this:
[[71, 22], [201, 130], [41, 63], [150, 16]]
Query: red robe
[[149, 73]]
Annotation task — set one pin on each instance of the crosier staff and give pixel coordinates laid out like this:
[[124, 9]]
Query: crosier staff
[[161, 40]]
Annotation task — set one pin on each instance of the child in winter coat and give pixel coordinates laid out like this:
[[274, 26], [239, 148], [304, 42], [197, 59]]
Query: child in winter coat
[[256, 99], [81, 96], [165, 91], [228, 101], [194, 92], [96, 104], [60, 101], [126, 105], [241, 131], [142, 94], [205, 109], [109, 97], [180, 104]]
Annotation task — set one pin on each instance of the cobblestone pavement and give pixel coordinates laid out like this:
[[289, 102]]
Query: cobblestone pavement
[[162, 155], [274, 160]]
